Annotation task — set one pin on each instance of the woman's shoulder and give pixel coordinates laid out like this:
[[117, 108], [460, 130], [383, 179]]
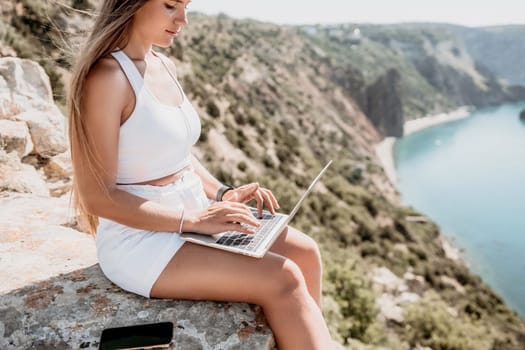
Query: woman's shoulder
[[106, 69], [106, 76]]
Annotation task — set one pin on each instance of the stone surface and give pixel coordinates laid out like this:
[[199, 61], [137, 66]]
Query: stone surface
[[415, 283], [59, 173], [24, 85], [394, 292], [14, 136], [453, 283], [389, 309], [32, 130], [38, 240], [60, 166], [26, 96], [385, 280], [47, 128], [71, 310], [18, 177], [451, 252]]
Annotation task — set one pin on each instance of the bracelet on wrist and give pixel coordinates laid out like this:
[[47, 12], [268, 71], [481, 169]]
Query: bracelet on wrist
[[222, 190], [181, 220]]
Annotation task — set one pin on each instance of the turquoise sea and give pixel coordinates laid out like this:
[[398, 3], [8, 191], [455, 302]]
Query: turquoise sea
[[469, 177]]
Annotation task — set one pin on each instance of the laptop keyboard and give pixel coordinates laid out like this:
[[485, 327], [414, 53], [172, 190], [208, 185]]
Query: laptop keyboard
[[246, 240]]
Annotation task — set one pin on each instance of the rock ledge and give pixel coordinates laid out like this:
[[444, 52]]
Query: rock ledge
[[69, 312]]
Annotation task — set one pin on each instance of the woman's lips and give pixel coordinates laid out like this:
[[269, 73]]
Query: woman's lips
[[172, 32]]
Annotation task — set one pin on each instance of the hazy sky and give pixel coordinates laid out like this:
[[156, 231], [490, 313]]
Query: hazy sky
[[464, 12]]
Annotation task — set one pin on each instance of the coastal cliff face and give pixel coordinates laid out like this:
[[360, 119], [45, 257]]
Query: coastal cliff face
[[275, 106], [384, 99], [438, 71]]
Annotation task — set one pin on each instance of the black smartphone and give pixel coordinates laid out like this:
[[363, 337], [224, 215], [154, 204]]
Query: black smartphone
[[145, 336]]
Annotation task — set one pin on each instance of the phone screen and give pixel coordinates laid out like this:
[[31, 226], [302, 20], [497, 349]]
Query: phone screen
[[139, 336]]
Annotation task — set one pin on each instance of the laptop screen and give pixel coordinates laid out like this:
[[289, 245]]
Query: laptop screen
[[301, 200]]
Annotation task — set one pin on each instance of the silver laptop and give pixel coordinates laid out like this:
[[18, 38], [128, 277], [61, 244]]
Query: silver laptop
[[258, 243]]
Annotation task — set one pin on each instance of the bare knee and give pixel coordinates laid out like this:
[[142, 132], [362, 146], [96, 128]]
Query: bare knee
[[288, 281], [313, 250], [309, 255], [301, 245]]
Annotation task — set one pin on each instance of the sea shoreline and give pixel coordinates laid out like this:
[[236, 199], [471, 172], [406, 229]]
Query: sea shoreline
[[385, 149], [385, 153], [472, 245]]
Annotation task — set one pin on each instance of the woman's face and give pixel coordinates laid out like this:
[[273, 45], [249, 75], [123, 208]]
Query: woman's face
[[159, 21]]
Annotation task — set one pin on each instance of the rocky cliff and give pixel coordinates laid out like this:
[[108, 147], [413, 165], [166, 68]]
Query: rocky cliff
[[384, 95], [70, 311], [438, 65]]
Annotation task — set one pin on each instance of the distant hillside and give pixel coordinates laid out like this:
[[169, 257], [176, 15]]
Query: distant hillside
[[500, 49], [276, 103], [436, 69]]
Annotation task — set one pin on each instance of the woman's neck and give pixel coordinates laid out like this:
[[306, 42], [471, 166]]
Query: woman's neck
[[137, 48]]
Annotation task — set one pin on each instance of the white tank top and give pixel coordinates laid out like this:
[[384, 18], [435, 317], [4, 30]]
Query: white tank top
[[156, 139]]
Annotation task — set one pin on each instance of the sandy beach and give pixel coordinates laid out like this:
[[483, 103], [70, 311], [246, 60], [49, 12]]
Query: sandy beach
[[385, 149], [415, 125]]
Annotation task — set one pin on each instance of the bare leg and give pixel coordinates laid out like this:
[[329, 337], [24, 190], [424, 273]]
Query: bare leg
[[302, 250], [274, 282]]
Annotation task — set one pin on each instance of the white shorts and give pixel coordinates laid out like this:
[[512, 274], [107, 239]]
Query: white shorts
[[133, 258]]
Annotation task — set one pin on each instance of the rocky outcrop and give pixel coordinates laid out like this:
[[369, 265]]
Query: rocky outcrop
[[384, 107], [32, 132], [24, 86], [39, 238], [522, 115], [71, 310], [394, 292], [18, 177]]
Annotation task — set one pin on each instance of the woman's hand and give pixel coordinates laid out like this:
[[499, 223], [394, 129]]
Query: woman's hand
[[251, 191], [220, 217]]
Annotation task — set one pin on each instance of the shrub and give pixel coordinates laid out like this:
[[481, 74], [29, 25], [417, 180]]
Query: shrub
[[353, 295], [242, 166], [212, 109], [431, 324]]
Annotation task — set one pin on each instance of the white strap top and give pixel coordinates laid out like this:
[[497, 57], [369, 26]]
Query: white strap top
[[156, 139]]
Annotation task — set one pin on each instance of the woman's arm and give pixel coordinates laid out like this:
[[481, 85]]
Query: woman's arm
[[106, 95], [210, 183]]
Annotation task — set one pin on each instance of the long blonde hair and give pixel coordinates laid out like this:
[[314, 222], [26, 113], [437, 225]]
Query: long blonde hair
[[110, 31]]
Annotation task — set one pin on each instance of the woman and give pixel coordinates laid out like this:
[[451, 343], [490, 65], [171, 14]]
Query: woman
[[137, 185]]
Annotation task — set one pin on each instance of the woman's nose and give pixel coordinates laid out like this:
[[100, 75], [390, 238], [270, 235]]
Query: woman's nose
[[181, 18]]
